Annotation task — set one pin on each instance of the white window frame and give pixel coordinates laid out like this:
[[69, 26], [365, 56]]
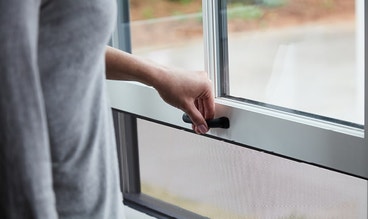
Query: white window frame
[[334, 146]]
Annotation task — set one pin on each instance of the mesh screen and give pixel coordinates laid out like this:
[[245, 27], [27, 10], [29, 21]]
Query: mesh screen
[[221, 180]]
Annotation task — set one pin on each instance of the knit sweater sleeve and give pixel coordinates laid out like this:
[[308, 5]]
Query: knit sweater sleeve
[[25, 164]]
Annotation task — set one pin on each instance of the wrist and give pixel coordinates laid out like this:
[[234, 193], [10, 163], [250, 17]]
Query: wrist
[[160, 76]]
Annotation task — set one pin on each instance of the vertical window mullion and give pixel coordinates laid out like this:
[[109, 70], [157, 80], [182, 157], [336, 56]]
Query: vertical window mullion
[[216, 44], [362, 22], [222, 43], [121, 37], [211, 47], [125, 125]]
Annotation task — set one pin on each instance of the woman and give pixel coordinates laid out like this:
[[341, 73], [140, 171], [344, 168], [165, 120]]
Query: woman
[[57, 150]]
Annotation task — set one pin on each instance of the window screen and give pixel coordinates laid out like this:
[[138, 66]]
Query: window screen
[[220, 180]]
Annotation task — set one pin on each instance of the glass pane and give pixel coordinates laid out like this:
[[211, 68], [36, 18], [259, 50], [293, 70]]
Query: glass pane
[[168, 32], [305, 55], [220, 180]]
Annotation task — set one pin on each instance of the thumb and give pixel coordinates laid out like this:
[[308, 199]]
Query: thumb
[[199, 123]]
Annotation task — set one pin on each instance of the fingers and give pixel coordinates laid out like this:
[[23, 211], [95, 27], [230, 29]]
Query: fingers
[[199, 122], [199, 111], [201, 108], [208, 106]]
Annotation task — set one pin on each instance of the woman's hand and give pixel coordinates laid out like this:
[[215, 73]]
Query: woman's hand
[[190, 91]]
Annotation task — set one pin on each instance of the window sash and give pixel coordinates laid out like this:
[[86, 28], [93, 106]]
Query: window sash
[[326, 144], [284, 133]]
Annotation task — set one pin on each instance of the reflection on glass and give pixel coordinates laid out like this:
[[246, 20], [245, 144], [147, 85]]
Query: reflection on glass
[[220, 180], [168, 32], [299, 54]]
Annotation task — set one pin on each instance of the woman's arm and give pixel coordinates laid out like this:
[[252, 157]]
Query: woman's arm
[[187, 90]]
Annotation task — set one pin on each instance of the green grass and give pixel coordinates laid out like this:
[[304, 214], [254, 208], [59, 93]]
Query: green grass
[[274, 3], [245, 12], [147, 13], [182, 1], [328, 4], [185, 1]]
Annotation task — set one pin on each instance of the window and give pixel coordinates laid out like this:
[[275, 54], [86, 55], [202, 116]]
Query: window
[[265, 115], [322, 141], [300, 55]]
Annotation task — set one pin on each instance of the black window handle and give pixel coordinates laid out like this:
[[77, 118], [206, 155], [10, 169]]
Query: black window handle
[[222, 122]]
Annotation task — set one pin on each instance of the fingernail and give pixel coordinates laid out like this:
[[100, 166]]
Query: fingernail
[[202, 129]]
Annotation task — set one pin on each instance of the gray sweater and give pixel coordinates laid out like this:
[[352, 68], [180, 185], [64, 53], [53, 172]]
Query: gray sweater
[[57, 150]]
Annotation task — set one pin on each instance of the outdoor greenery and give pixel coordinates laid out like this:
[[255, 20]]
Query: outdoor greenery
[[245, 12], [182, 1], [268, 3], [244, 2]]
